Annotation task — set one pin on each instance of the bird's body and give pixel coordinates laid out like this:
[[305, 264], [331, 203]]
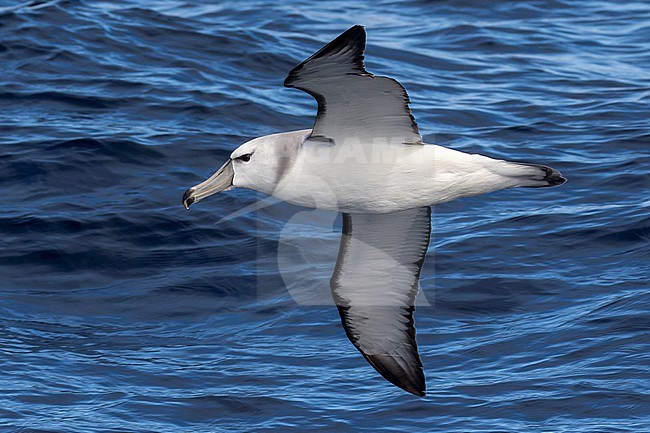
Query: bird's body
[[376, 177], [365, 157]]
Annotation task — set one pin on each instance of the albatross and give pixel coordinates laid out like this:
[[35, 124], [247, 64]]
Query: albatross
[[364, 157]]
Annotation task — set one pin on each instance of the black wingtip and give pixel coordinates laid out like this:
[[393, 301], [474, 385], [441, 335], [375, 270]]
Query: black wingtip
[[410, 379], [419, 390], [417, 387], [353, 39]]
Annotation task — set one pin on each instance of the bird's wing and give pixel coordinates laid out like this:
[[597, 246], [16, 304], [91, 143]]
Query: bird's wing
[[374, 286], [352, 103]]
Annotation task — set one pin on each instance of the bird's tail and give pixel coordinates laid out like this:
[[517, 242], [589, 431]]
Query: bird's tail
[[535, 175]]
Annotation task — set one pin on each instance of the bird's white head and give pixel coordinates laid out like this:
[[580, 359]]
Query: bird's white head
[[258, 164]]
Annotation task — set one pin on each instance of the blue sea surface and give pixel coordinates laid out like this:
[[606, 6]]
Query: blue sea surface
[[120, 311]]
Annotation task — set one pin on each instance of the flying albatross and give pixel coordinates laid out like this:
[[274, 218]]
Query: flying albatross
[[365, 157]]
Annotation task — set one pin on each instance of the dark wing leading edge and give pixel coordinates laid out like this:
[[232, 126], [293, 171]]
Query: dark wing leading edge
[[352, 103], [374, 286]]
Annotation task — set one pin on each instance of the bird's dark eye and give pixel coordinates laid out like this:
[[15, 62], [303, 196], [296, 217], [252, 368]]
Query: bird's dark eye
[[245, 158]]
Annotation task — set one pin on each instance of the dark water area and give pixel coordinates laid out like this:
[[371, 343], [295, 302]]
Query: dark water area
[[121, 311]]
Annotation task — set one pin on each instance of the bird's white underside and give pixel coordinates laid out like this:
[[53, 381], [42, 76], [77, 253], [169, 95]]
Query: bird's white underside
[[356, 176], [365, 157]]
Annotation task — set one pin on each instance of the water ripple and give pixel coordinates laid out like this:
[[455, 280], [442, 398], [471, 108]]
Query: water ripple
[[121, 311]]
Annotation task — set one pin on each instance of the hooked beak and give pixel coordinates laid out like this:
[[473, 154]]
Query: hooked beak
[[220, 181]]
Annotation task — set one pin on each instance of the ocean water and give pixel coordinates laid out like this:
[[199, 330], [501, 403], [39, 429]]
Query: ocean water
[[120, 311]]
